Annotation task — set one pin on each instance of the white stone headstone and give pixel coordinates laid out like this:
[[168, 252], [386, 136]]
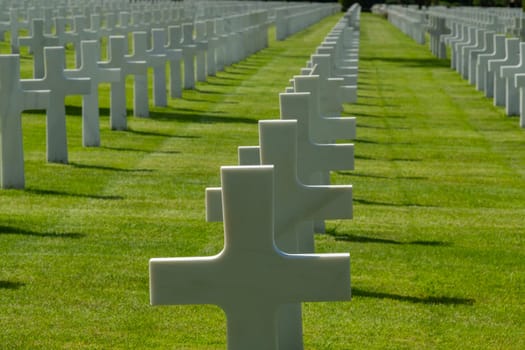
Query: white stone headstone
[[251, 279], [164, 55], [314, 159], [332, 89], [485, 44], [511, 58], [461, 36], [483, 63], [140, 81], [174, 45], [295, 201], [296, 207], [212, 45], [89, 68], [323, 129], [221, 49], [118, 59], [16, 25], [59, 87], [36, 42], [189, 50], [520, 84], [455, 54], [13, 100], [79, 33], [512, 101], [476, 38], [202, 48]]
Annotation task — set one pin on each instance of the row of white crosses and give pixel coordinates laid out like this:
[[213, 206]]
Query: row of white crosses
[[480, 52], [409, 20], [268, 205], [494, 63], [331, 73], [50, 75], [292, 19], [107, 18], [497, 19], [218, 43], [415, 21], [440, 20]]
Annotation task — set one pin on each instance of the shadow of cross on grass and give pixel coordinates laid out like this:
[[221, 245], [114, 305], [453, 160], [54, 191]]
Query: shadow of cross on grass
[[7, 230], [430, 62], [350, 237], [442, 300], [68, 194], [11, 285]]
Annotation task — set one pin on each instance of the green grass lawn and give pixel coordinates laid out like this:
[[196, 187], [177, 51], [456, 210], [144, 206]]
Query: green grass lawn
[[436, 242]]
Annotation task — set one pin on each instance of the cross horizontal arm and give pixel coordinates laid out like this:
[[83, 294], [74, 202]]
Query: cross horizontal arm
[[36, 99]]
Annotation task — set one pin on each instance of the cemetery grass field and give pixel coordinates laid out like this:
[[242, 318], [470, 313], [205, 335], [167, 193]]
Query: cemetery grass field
[[436, 243]]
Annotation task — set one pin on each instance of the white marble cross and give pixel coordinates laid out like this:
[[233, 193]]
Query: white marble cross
[[80, 33], [497, 53], [36, 42], [295, 202], [233, 43], [118, 59], [332, 89], [159, 70], [222, 40], [323, 129], [519, 80], [140, 81], [296, 206], [89, 55], [482, 61], [174, 45], [16, 24], [202, 48], [511, 58], [212, 44], [13, 100], [251, 278], [61, 25], [326, 67], [189, 50], [59, 86], [512, 102], [314, 159], [481, 48]]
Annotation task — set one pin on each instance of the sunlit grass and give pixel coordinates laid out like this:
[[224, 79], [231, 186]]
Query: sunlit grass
[[436, 241]]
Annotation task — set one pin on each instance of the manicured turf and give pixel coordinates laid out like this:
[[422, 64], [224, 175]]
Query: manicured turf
[[436, 241]]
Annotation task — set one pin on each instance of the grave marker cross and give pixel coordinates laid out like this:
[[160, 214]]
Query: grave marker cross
[[212, 44], [313, 158], [89, 54], [13, 100], [159, 71], [117, 59], [59, 86], [296, 205], [37, 42], [250, 279], [140, 87], [174, 45], [323, 129], [202, 49], [189, 50], [79, 34]]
